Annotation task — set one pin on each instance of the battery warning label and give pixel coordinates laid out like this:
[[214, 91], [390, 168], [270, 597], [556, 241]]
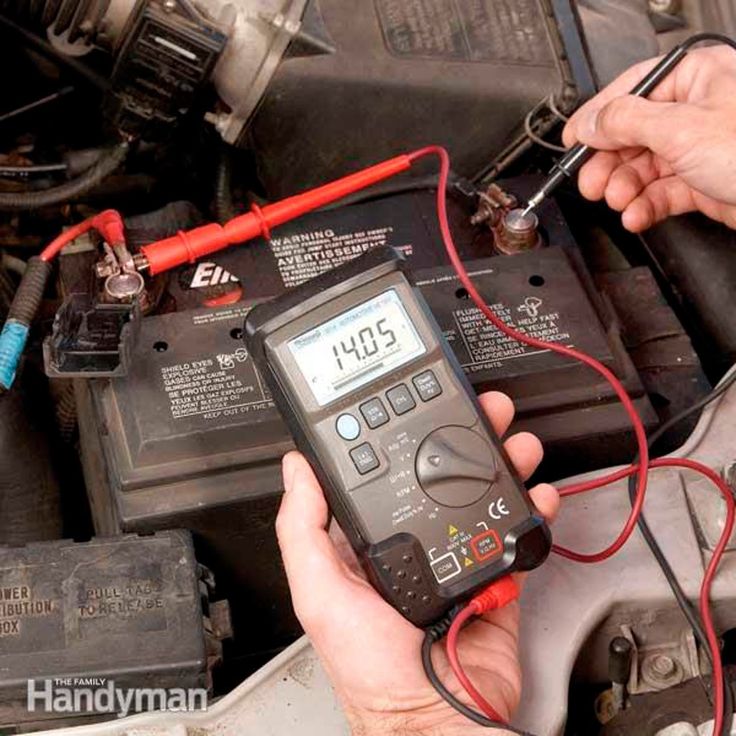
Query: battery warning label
[[487, 347], [538, 293], [226, 384], [302, 256]]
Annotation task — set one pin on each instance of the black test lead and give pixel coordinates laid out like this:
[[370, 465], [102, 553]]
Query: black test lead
[[580, 154]]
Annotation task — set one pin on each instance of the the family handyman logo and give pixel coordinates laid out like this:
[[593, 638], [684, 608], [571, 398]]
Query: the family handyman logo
[[95, 695]]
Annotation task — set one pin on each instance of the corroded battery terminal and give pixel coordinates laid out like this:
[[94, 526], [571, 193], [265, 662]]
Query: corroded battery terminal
[[517, 231]]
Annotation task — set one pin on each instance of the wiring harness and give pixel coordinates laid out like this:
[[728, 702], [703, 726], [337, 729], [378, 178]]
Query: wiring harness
[[28, 297], [638, 469]]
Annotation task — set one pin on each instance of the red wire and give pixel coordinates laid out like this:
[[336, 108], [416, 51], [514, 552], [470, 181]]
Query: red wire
[[642, 468], [487, 709], [591, 485], [55, 246], [704, 602], [466, 281], [705, 588], [109, 224]]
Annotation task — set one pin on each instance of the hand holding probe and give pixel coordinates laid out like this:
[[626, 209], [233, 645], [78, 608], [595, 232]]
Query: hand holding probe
[[579, 154]]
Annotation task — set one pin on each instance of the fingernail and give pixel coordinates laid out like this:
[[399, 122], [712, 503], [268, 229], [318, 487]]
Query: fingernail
[[589, 123], [289, 467]]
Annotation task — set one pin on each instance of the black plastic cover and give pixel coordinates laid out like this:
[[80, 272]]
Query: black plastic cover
[[91, 339], [125, 608], [461, 73], [166, 59]]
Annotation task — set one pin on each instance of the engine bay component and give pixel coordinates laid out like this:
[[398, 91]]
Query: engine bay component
[[705, 290], [518, 231], [168, 54], [91, 339], [270, 59], [165, 52], [461, 73], [128, 610]]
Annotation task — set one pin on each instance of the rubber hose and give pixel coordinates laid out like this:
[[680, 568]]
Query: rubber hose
[[21, 314], [107, 164], [30, 291], [65, 404]]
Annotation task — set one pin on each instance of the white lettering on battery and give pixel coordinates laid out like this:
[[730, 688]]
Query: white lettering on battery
[[303, 256], [488, 347], [220, 315], [226, 386], [210, 274]]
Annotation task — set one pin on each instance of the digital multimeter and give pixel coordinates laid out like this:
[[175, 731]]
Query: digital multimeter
[[411, 467]]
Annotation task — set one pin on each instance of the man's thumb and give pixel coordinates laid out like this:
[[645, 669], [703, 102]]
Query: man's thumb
[[627, 122], [312, 563]]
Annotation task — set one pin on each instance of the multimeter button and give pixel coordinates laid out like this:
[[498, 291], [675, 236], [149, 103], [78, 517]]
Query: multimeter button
[[364, 458], [401, 399], [485, 545], [374, 413], [427, 386], [348, 427], [446, 567], [455, 466]]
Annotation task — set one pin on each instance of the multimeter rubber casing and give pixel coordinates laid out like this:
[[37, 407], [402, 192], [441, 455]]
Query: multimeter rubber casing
[[412, 468]]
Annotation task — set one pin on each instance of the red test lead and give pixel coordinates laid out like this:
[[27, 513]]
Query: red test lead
[[187, 247]]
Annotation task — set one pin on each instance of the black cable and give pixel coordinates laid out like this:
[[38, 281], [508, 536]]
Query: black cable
[[702, 37], [106, 165], [687, 608], [434, 634], [32, 170]]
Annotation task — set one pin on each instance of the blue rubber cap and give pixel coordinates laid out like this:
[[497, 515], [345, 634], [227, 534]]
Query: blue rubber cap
[[12, 342]]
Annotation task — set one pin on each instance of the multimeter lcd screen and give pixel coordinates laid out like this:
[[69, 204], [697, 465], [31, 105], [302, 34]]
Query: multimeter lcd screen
[[356, 347]]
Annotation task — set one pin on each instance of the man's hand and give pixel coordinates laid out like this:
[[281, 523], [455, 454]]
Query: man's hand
[[370, 652], [670, 154]]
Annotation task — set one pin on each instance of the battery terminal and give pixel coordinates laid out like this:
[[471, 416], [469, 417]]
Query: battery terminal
[[514, 231]]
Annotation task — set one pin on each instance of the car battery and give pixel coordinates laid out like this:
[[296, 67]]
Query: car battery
[[190, 437], [120, 613]]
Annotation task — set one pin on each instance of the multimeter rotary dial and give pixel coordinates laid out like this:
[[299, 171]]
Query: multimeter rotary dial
[[456, 466]]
